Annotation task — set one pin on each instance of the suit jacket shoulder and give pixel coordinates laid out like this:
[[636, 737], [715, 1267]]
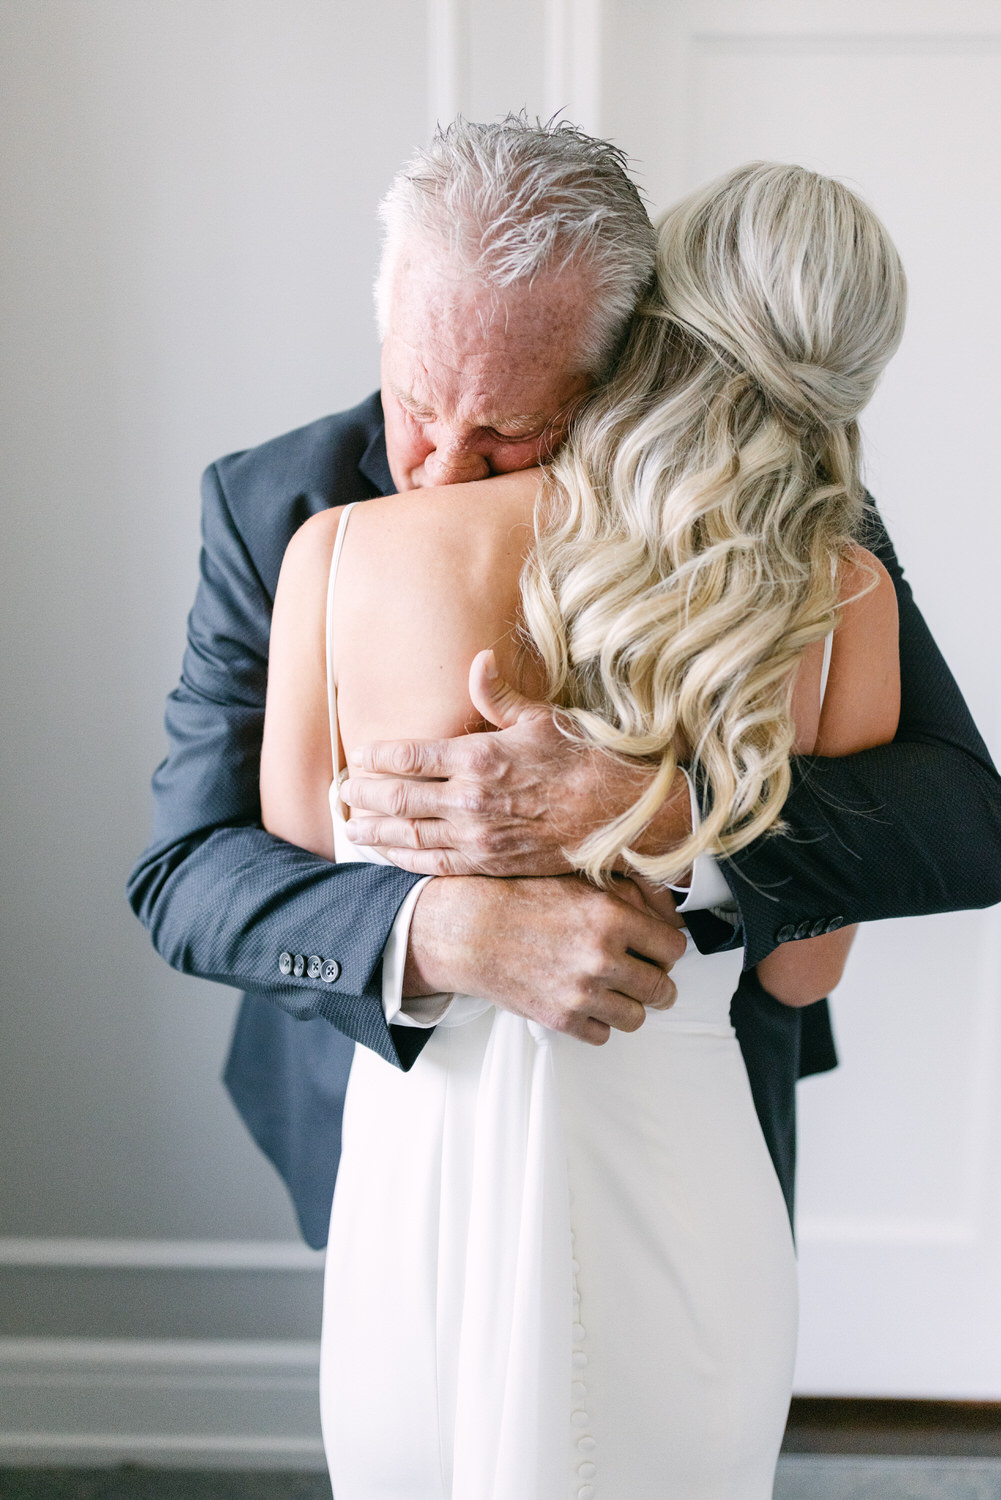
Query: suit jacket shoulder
[[270, 490]]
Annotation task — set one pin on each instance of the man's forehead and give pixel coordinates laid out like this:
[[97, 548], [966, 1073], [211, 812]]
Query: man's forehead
[[437, 306], [504, 383]]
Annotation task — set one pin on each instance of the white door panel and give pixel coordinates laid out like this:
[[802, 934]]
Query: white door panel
[[900, 1149], [900, 1161]]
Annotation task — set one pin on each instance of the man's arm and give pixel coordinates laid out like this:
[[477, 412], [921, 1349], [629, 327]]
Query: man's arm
[[224, 900], [221, 898], [907, 829], [910, 828]]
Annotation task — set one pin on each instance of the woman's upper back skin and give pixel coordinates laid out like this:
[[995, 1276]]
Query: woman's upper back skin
[[428, 579]]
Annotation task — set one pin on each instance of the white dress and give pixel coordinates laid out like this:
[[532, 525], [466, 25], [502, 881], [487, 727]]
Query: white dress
[[557, 1271]]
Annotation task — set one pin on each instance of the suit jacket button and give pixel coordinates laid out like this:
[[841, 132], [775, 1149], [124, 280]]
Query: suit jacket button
[[802, 931], [330, 970], [834, 924], [785, 934], [299, 966], [818, 928], [313, 966], [285, 963]]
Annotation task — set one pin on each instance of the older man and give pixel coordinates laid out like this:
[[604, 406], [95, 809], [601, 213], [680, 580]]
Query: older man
[[514, 257]]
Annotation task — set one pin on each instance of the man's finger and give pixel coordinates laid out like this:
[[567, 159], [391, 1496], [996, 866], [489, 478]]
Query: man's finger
[[594, 1032], [624, 1012], [430, 861], [401, 833], [653, 939], [667, 996], [648, 983], [406, 757], [396, 798], [660, 902], [494, 697]]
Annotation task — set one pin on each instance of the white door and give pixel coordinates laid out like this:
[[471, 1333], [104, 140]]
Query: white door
[[900, 1164]]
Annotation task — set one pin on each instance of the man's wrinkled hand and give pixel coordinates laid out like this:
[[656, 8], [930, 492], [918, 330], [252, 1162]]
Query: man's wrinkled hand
[[558, 951], [505, 803]]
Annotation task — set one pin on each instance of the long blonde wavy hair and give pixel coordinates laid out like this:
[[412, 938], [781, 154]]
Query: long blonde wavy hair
[[688, 540]]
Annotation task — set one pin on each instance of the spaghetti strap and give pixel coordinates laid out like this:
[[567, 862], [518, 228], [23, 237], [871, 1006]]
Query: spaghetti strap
[[335, 739], [826, 667], [829, 642]]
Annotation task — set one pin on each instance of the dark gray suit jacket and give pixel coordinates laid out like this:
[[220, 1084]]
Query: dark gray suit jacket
[[911, 828]]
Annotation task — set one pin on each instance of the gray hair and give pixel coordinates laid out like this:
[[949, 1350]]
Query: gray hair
[[512, 200]]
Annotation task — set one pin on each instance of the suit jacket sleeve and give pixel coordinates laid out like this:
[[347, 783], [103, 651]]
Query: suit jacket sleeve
[[910, 828], [222, 898]]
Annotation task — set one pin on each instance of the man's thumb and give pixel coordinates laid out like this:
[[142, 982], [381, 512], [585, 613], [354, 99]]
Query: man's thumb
[[495, 698]]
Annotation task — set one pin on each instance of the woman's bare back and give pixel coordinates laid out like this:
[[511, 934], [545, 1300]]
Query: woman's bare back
[[430, 578], [426, 581]]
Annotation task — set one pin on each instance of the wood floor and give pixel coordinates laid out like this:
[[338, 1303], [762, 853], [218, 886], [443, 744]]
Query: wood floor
[[132, 1483], [829, 1477], [930, 1429], [800, 1477], [834, 1450]]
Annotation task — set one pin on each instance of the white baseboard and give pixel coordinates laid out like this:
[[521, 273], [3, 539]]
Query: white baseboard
[[59, 1253], [178, 1403]]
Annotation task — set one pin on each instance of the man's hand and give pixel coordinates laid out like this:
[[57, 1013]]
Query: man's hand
[[506, 803], [557, 951]]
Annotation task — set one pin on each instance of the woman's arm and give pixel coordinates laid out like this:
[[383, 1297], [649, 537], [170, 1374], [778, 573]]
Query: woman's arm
[[860, 711], [296, 763]]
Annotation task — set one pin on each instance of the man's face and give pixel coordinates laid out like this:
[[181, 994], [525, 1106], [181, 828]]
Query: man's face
[[474, 384]]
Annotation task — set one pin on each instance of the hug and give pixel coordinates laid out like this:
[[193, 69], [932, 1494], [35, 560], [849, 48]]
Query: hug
[[556, 761]]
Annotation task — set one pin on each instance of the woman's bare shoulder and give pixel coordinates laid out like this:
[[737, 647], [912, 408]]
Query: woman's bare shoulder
[[418, 525], [862, 577], [462, 545], [867, 635], [862, 704], [428, 579], [427, 518], [307, 556]]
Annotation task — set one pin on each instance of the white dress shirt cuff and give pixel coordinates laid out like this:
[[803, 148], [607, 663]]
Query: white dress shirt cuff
[[419, 1010], [706, 886]]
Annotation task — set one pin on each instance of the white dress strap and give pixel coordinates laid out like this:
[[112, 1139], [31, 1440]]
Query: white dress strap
[[826, 667], [828, 642], [335, 740]]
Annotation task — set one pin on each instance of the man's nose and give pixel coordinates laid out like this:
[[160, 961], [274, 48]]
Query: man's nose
[[454, 463]]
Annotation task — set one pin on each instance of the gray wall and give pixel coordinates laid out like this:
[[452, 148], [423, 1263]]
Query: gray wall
[[189, 237], [187, 246]]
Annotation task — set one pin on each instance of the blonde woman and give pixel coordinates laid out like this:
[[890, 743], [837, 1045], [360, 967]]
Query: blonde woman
[[557, 1269]]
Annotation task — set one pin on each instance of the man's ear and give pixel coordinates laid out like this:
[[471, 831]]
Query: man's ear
[[495, 699]]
